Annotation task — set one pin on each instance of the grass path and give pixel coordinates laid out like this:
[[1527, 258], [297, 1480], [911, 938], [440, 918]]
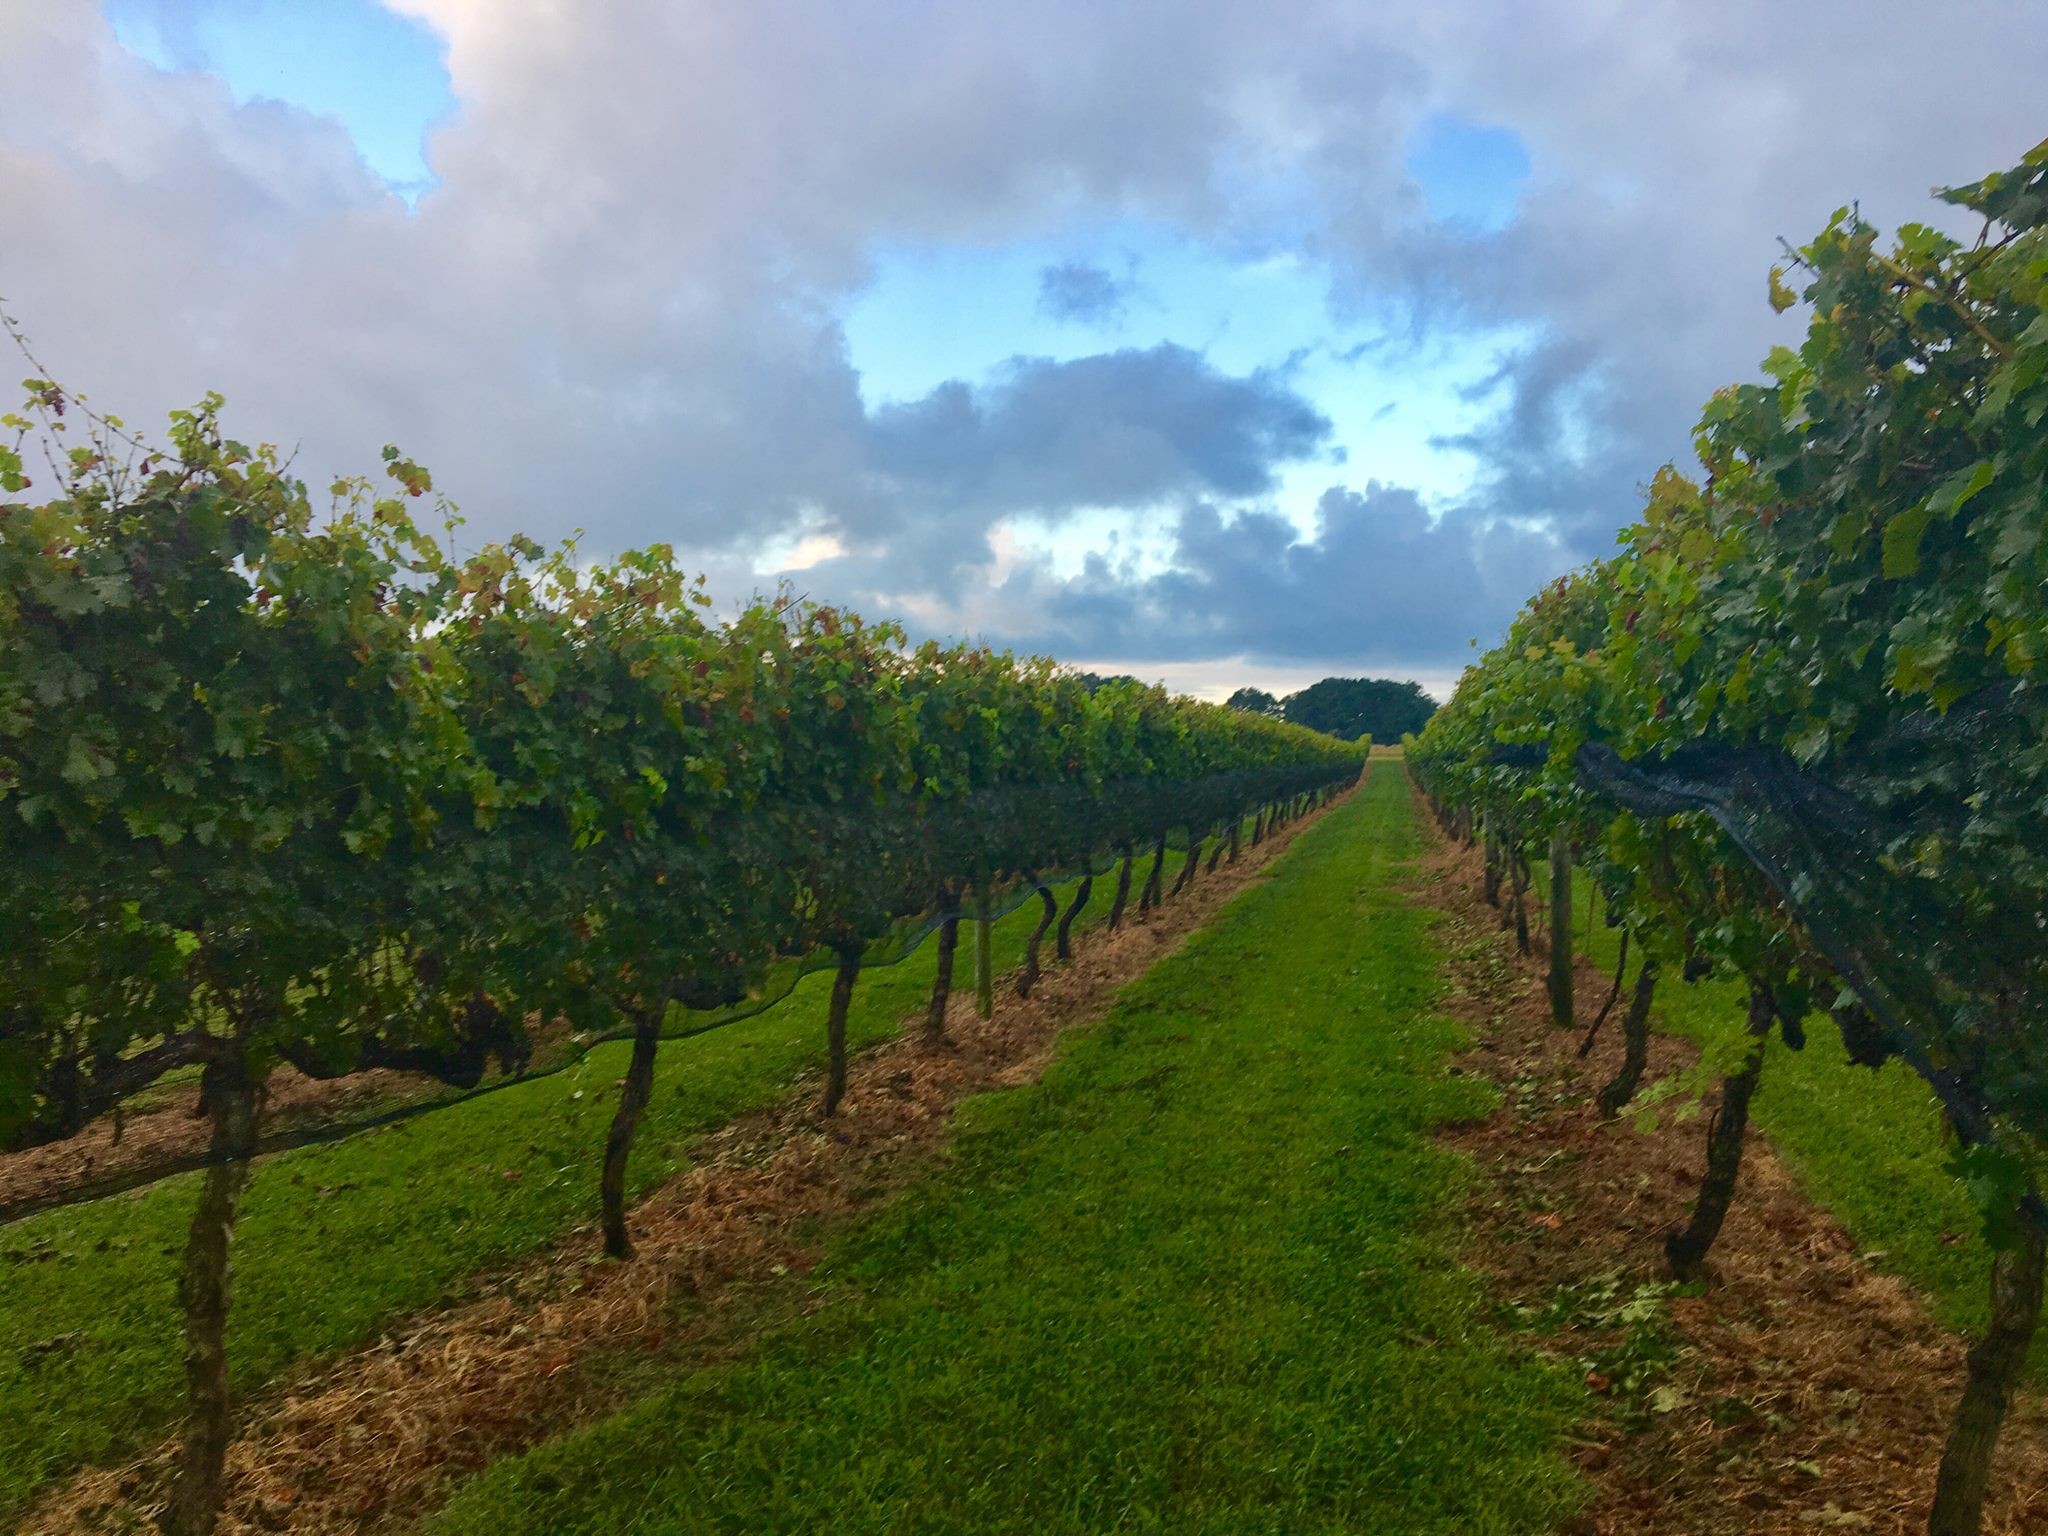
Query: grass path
[[336, 1242], [1200, 1279]]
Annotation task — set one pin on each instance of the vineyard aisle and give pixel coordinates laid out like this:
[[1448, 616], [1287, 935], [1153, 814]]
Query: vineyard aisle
[[1203, 1277]]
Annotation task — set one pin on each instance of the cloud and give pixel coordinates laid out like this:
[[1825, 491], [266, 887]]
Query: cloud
[[1082, 292], [1125, 428], [618, 309], [1670, 148], [1380, 581], [1134, 430]]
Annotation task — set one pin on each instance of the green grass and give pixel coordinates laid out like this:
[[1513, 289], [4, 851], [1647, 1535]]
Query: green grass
[[1202, 1278], [334, 1243], [1869, 1146]]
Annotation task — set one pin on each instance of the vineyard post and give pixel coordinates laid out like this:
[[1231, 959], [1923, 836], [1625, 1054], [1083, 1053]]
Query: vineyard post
[[204, 1285], [1561, 928], [1236, 828], [1492, 887], [984, 974]]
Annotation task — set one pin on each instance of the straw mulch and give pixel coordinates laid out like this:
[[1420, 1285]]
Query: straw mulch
[[1804, 1392]]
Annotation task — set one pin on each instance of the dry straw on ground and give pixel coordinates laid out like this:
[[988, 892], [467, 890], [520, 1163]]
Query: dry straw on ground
[[1807, 1392]]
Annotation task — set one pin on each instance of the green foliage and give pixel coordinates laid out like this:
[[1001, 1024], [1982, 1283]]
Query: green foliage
[[313, 788], [1353, 708], [1856, 589], [1254, 701]]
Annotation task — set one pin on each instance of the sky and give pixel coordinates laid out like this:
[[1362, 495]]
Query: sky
[[1221, 344]]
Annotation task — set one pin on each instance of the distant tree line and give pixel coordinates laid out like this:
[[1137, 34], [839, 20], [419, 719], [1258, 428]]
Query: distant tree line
[[1347, 707]]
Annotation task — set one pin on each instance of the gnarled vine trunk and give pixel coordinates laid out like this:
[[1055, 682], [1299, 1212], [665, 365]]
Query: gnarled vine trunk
[[1996, 1362], [1062, 943], [1187, 870], [1049, 909], [1149, 898], [1607, 1007], [1561, 929], [1687, 1249], [1123, 891], [230, 1100], [1635, 1035], [835, 1029], [618, 1142], [1236, 829]]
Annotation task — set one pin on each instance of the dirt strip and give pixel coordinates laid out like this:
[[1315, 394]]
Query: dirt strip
[[1798, 1391], [373, 1441]]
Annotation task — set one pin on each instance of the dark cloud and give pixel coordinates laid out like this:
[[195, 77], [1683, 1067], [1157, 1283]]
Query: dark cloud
[[1079, 291], [1047, 440], [1122, 428], [1379, 578]]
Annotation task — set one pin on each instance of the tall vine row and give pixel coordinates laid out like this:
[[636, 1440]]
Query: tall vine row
[[286, 784], [1796, 729]]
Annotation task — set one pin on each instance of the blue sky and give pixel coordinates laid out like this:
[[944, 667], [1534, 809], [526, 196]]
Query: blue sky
[[1470, 173], [381, 74], [1250, 346]]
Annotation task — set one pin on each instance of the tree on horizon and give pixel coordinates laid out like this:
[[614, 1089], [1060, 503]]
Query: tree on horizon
[[1255, 700], [1347, 707]]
